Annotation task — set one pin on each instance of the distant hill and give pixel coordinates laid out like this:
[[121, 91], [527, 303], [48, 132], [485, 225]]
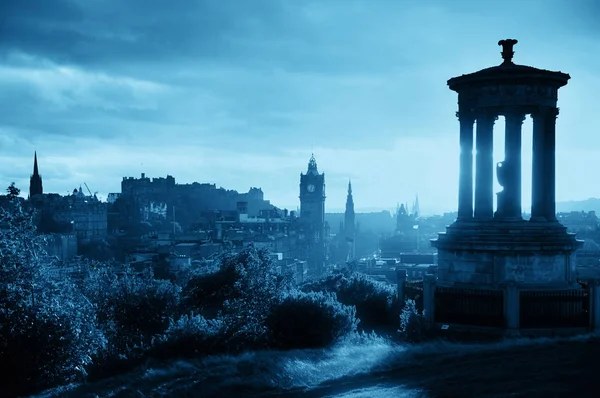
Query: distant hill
[[591, 204]]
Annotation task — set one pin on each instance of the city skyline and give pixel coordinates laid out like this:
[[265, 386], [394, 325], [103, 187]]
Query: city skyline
[[240, 95]]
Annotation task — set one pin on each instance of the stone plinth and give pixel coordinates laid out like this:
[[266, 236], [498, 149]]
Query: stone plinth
[[488, 255]]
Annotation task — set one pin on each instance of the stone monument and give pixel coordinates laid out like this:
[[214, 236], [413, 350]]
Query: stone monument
[[499, 250]]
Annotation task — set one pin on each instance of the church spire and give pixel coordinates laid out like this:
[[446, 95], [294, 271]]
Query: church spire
[[349, 223], [416, 211], [349, 201], [35, 182], [35, 166]]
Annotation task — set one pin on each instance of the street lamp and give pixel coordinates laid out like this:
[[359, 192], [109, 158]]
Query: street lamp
[[416, 227]]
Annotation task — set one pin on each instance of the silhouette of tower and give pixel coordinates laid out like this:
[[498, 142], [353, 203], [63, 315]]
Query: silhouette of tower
[[402, 218], [312, 215], [349, 224], [35, 181], [416, 212]]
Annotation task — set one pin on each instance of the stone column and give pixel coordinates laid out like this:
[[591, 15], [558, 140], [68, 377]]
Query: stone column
[[429, 285], [484, 172], [401, 275], [537, 168], [550, 165], [512, 162], [512, 308], [543, 195], [465, 184], [594, 305]]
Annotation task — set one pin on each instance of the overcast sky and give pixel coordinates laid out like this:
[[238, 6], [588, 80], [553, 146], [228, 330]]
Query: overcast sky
[[240, 92]]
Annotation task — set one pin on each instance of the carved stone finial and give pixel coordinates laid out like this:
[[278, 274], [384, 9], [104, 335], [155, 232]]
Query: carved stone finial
[[507, 50]]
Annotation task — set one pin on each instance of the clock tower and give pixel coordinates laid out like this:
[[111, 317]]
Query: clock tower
[[312, 216]]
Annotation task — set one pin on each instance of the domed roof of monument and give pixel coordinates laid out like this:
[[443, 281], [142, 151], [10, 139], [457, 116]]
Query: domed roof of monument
[[509, 72]]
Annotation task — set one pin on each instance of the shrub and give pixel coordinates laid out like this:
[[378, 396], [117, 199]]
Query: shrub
[[22, 254], [137, 306], [46, 342], [133, 309], [309, 320], [376, 303], [242, 291], [412, 324], [190, 336], [183, 275], [48, 330], [206, 292]]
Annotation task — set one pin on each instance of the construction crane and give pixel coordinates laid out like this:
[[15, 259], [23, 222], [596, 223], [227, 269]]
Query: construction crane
[[88, 188]]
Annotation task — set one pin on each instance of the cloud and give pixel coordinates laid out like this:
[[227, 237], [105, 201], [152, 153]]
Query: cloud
[[240, 92]]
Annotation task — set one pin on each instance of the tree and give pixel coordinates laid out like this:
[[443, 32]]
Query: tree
[[12, 191], [244, 288], [21, 249], [47, 328]]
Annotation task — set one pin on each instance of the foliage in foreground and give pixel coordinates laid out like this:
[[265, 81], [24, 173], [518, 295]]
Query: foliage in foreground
[[376, 303], [412, 323], [309, 320], [48, 330], [55, 329]]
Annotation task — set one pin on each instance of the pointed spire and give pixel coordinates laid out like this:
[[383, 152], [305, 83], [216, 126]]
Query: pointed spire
[[349, 219], [35, 165], [349, 200], [416, 210], [35, 181]]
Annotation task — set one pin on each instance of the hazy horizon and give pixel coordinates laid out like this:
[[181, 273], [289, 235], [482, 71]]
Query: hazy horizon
[[241, 93]]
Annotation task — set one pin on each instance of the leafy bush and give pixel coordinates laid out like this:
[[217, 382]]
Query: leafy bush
[[48, 343], [54, 329], [414, 290], [258, 287], [182, 275], [22, 254], [376, 303], [412, 323], [242, 291], [309, 320], [48, 331], [190, 336], [206, 292], [132, 307]]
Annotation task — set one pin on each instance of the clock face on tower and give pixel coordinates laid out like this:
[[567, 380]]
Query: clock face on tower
[[310, 188]]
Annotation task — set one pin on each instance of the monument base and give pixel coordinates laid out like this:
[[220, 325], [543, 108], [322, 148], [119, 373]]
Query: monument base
[[488, 255], [508, 275]]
